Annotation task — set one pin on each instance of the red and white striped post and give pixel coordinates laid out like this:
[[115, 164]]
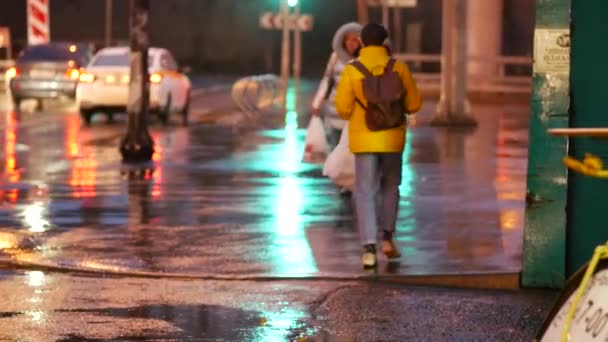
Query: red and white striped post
[[38, 22]]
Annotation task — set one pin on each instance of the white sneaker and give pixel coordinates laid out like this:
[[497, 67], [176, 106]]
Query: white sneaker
[[368, 259]]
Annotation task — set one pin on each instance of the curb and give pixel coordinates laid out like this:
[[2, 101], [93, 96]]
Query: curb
[[503, 281]]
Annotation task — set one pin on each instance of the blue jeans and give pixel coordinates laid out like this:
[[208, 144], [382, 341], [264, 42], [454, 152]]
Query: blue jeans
[[378, 176]]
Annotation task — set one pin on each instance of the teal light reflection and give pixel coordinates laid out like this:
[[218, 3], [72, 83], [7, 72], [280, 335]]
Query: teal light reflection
[[408, 176], [278, 326], [293, 253]]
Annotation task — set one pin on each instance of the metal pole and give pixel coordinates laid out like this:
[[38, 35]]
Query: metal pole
[[108, 32], [385, 14], [362, 12], [297, 64], [398, 29], [285, 49], [9, 44], [137, 145]]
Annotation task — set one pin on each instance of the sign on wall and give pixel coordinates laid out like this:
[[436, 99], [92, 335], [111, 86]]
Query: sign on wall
[[552, 51]]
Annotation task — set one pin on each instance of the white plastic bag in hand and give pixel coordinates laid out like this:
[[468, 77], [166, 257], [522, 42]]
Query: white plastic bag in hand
[[316, 142], [340, 163]]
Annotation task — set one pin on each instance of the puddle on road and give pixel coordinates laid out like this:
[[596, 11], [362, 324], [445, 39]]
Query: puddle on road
[[189, 323]]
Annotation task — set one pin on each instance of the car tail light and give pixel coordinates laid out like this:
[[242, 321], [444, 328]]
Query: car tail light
[[12, 72], [73, 74], [156, 78], [85, 77]]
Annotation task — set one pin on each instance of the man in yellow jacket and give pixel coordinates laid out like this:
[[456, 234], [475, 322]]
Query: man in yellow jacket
[[378, 154]]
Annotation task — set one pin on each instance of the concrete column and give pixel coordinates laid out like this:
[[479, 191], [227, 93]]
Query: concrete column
[[484, 35], [453, 108]]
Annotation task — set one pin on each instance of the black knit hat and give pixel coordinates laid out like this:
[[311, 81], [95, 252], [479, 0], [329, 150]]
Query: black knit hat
[[373, 34]]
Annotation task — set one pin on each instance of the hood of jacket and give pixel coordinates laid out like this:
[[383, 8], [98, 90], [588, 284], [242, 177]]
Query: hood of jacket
[[338, 41]]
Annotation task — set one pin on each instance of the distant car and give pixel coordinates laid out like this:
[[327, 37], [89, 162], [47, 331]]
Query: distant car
[[104, 85], [47, 71]]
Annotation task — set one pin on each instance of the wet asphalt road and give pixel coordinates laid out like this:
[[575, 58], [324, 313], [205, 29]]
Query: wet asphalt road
[[39, 306], [227, 201], [229, 197]]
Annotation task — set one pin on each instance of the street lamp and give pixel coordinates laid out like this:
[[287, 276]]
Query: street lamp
[[137, 145]]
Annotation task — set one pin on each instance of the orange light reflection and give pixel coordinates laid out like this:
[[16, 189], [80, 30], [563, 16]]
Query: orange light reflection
[[157, 176], [84, 177], [72, 143], [510, 219], [10, 161]]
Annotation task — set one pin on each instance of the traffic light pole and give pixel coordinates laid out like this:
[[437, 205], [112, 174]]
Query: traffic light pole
[[297, 58], [137, 145], [286, 44]]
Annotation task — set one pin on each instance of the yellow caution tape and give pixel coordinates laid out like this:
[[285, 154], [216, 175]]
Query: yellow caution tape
[[590, 166]]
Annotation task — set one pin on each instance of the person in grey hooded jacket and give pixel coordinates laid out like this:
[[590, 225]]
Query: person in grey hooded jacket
[[346, 45]]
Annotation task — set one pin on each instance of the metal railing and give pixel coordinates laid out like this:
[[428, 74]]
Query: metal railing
[[498, 82], [254, 94]]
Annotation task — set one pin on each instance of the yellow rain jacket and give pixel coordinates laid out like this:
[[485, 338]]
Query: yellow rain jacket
[[350, 88]]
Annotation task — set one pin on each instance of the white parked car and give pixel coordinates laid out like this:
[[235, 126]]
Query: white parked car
[[104, 85]]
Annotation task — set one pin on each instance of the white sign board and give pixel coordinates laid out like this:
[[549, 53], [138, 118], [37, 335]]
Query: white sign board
[[270, 21], [38, 31], [552, 51], [590, 321], [304, 22]]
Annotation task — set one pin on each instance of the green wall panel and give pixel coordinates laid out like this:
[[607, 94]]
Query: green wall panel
[[588, 197], [544, 260]]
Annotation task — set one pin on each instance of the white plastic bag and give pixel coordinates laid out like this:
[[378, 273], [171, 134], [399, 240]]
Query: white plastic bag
[[315, 150], [340, 163]]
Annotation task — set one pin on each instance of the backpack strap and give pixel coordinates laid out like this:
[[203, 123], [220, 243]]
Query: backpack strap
[[360, 103], [390, 65], [359, 66], [362, 69]]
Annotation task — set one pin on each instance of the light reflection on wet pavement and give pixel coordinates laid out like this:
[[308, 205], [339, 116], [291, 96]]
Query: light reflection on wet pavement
[[220, 201], [56, 307]]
